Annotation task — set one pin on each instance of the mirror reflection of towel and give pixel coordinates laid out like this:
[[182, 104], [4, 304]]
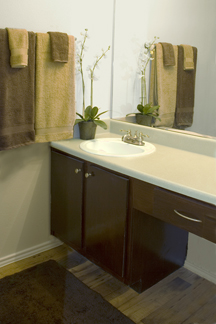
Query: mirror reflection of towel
[[168, 54], [163, 85], [185, 91], [188, 57]]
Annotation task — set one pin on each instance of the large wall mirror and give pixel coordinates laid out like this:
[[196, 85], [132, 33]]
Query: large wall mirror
[[189, 22]]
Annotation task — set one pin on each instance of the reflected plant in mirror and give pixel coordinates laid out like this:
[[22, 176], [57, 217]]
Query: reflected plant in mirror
[[147, 111]]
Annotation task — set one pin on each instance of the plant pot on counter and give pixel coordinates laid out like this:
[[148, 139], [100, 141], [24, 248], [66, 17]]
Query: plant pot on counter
[[144, 119], [87, 130]]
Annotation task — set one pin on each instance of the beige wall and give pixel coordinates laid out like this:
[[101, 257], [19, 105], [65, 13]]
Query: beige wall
[[25, 171], [24, 199]]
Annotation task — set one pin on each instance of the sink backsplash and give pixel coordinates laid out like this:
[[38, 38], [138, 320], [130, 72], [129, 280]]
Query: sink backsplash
[[195, 144]]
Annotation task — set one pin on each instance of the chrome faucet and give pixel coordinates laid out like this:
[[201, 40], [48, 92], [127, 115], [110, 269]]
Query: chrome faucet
[[135, 140]]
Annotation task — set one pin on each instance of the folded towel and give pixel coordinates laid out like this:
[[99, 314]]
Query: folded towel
[[55, 93], [188, 57], [16, 97], [163, 84], [185, 91], [59, 46], [168, 54], [18, 44]]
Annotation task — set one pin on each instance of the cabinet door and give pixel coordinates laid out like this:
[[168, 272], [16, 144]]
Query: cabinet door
[[66, 198], [106, 200]]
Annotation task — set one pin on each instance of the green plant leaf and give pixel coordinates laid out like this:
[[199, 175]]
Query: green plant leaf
[[100, 114], [80, 116], [101, 123], [94, 112], [87, 113], [140, 108]]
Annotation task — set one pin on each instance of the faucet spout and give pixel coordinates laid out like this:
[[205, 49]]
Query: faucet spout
[[136, 140]]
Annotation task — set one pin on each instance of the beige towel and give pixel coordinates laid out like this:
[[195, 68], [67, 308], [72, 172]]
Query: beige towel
[[16, 97], [55, 92], [163, 85], [59, 46], [18, 44], [188, 57]]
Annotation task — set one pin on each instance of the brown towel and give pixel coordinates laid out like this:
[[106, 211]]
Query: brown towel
[[18, 44], [188, 57], [185, 91], [59, 46], [163, 84], [168, 54], [16, 97], [55, 93]]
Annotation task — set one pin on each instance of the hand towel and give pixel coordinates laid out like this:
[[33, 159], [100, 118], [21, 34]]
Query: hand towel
[[168, 54], [59, 46], [188, 57], [163, 85], [18, 44], [185, 91], [55, 92], [16, 97]]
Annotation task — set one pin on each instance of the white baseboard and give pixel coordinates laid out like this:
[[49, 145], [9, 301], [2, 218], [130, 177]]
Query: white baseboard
[[52, 243], [201, 272]]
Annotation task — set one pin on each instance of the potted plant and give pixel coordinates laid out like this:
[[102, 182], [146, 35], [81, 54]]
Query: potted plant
[[146, 113], [146, 110], [89, 120]]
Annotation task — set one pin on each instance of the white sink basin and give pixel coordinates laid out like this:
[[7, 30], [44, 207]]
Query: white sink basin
[[115, 147]]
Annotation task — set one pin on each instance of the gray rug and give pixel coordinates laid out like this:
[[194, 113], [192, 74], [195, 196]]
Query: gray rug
[[49, 294]]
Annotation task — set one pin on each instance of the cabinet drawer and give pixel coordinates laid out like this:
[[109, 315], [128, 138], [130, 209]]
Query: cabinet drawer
[[209, 226], [142, 196], [184, 212]]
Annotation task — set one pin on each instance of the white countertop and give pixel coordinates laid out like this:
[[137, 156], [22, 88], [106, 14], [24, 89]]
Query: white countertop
[[180, 169]]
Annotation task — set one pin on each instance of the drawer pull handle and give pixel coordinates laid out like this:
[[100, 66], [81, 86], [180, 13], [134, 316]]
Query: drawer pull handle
[[77, 170], [189, 218]]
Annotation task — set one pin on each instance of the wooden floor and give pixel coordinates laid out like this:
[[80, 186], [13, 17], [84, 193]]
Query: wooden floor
[[183, 297]]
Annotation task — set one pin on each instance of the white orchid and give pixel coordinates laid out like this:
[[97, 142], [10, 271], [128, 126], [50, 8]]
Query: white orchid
[[143, 61], [91, 69]]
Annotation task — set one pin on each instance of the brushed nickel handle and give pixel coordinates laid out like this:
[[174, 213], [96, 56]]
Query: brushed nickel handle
[[77, 170], [189, 218], [87, 175]]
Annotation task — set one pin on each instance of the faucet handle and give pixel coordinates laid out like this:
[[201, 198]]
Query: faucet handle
[[141, 135], [126, 131]]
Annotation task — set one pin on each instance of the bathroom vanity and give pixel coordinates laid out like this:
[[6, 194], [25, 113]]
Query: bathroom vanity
[[125, 222]]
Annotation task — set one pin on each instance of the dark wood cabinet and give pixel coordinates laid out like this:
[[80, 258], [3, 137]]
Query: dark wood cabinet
[[67, 198], [133, 229], [187, 213], [106, 205], [89, 207]]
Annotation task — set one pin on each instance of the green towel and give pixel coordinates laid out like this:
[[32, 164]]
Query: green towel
[[16, 97], [59, 46], [185, 91]]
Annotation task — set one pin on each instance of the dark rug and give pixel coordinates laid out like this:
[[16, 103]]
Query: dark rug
[[49, 294]]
